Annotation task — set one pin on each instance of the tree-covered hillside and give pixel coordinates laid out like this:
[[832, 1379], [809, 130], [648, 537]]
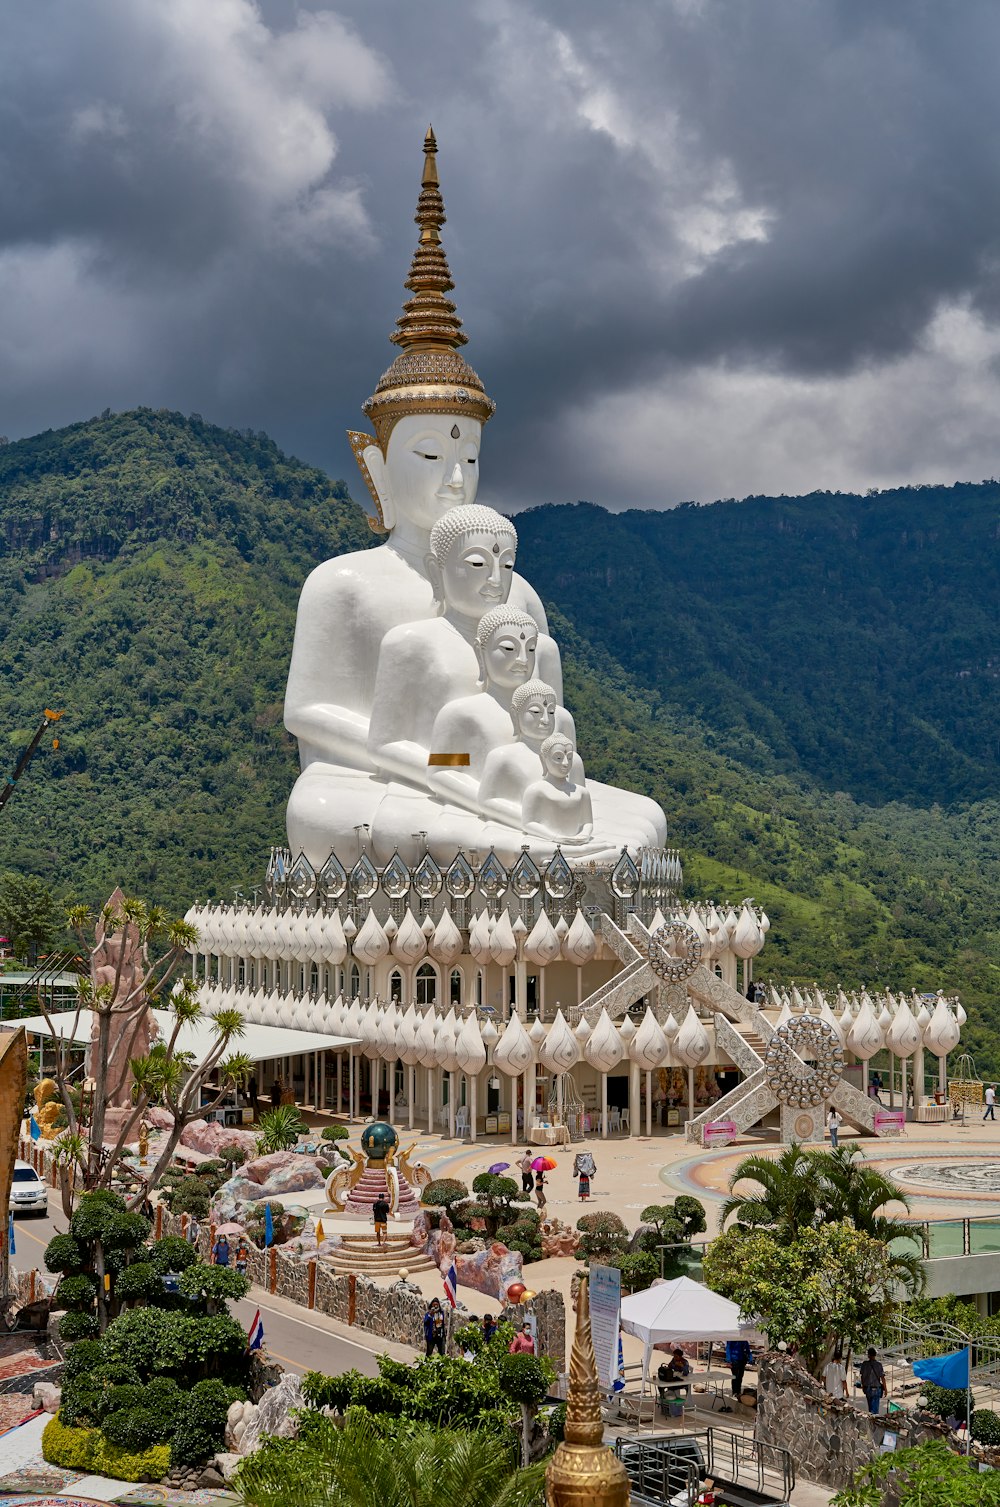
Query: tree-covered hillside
[[150, 566]]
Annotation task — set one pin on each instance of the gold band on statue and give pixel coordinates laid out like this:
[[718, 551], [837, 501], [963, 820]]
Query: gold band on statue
[[448, 761]]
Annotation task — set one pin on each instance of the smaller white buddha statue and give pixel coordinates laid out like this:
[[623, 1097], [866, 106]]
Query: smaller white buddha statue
[[511, 767], [424, 666], [555, 805]]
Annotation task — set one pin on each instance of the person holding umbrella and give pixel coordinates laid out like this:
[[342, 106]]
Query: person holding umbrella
[[585, 1168]]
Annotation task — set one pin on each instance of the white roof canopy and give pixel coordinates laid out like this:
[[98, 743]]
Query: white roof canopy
[[259, 1043], [681, 1310]]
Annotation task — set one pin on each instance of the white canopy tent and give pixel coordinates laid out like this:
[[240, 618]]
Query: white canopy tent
[[259, 1043], [680, 1310]]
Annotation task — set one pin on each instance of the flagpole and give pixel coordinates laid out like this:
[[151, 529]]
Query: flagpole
[[968, 1403]]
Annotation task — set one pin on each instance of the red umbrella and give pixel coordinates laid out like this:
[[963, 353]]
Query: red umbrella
[[544, 1164]]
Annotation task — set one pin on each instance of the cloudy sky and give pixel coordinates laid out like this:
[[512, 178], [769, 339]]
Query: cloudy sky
[[702, 248]]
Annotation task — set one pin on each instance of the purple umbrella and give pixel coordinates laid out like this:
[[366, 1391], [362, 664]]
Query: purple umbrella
[[498, 1167]]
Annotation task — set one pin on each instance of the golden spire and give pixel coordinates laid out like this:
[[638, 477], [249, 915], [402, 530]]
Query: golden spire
[[584, 1471], [429, 321], [428, 375]]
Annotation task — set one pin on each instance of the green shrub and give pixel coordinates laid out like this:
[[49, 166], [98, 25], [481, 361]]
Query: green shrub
[[82, 1357], [82, 1401], [139, 1281], [443, 1192], [235, 1156], [334, 1133], [160, 1342], [72, 1448], [946, 1402], [171, 1254], [984, 1425], [189, 1197], [557, 1423], [76, 1293], [212, 1284], [523, 1378], [125, 1465], [136, 1428], [64, 1254], [335, 1392], [201, 1423], [602, 1236], [638, 1269], [78, 1326]]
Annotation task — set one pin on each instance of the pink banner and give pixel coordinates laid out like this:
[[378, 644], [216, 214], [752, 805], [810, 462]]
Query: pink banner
[[719, 1132], [889, 1121]]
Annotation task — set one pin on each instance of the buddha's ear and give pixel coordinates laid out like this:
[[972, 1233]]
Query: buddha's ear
[[432, 566], [481, 661], [375, 461]]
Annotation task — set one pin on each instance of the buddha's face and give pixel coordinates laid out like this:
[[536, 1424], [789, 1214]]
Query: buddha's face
[[537, 717], [558, 759], [431, 466], [509, 656], [476, 573]]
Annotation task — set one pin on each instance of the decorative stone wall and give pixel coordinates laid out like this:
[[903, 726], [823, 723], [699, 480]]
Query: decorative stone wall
[[827, 1439], [393, 1313]]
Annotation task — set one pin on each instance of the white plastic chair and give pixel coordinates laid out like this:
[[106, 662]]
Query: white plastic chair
[[614, 1119], [624, 1120], [462, 1120]]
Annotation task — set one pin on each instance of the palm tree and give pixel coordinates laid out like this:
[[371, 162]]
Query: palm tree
[[857, 1193], [789, 1199], [360, 1466]]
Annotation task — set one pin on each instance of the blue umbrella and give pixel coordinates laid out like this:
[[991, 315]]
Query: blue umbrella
[[498, 1167]]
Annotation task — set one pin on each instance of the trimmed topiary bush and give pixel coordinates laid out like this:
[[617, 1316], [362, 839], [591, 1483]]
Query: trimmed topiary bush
[[136, 1428], [946, 1402], [72, 1448], [443, 1192], [984, 1425], [201, 1425], [84, 1356], [125, 1465], [334, 1133], [64, 1254], [188, 1197], [78, 1326], [138, 1283], [171, 1254], [76, 1293], [602, 1236]]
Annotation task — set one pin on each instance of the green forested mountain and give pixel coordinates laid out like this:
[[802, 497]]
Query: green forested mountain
[[804, 684]]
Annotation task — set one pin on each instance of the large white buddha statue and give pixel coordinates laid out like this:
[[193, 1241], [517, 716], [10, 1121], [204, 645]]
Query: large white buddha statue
[[386, 640]]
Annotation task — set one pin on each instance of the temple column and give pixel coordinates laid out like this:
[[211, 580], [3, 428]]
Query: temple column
[[634, 1099], [473, 1082], [918, 1078], [411, 1093], [649, 1104], [690, 1093], [529, 1101], [604, 1106], [430, 1101]]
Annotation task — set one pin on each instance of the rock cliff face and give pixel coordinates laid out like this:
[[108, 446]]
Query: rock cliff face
[[828, 1440]]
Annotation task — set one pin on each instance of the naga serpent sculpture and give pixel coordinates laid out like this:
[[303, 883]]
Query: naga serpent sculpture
[[342, 1181]]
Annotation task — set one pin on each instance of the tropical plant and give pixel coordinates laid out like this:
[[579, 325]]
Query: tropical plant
[[928, 1475], [359, 1465], [278, 1129], [103, 1239], [130, 931], [828, 1285], [789, 1196]]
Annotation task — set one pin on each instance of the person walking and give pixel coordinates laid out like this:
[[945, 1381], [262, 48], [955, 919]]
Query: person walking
[[991, 1103], [489, 1328], [220, 1251], [585, 1168], [380, 1215], [833, 1124], [193, 1231], [835, 1378], [540, 1188], [435, 1328], [242, 1256], [527, 1173], [738, 1357], [522, 1343], [871, 1374]]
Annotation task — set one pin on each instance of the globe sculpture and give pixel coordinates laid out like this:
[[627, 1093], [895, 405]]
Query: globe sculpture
[[381, 1178]]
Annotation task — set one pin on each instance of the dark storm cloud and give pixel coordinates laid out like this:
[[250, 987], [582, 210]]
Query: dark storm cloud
[[699, 248]]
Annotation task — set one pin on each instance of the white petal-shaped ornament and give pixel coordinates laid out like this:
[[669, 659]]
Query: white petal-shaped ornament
[[445, 946], [514, 1052], [603, 1049], [903, 1036], [560, 1050], [503, 943], [371, 943], [469, 1048], [692, 1045], [409, 944], [648, 1047], [580, 944], [541, 945], [941, 1036]]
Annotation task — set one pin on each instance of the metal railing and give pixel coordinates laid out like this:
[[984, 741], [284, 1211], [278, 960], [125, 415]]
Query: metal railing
[[934, 1239]]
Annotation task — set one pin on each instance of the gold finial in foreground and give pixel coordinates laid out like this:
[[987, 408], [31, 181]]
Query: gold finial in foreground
[[585, 1472], [428, 375]]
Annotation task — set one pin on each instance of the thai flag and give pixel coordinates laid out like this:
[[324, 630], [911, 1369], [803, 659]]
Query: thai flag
[[255, 1334], [451, 1285]]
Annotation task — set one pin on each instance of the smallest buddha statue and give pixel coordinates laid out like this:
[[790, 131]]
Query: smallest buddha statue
[[555, 805]]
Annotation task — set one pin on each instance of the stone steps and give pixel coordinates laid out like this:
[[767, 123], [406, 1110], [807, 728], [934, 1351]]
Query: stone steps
[[371, 1185], [370, 1261]]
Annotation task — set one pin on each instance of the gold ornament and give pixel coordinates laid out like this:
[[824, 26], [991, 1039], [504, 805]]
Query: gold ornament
[[428, 375], [584, 1471]]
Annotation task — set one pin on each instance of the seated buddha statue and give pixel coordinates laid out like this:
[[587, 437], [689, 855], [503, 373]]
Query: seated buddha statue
[[555, 804], [386, 638]]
